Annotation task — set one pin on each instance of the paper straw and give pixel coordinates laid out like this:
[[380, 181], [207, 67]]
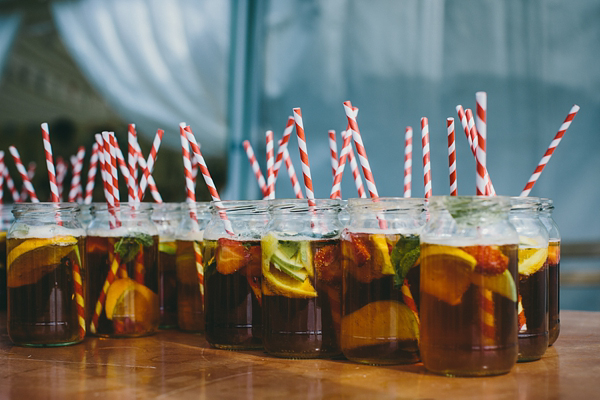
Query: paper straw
[[292, 174], [542, 164], [10, 184], [408, 139], [426, 157], [111, 163], [283, 142], [76, 179], [270, 164], [305, 162], [360, 188], [452, 156], [132, 157], [2, 168], [260, 179], [145, 178], [110, 278], [480, 156], [31, 167], [481, 114], [110, 173], [54, 190], [333, 152], [61, 174], [337, 180], [21, 169], [124, 167], [187, 170], [91, 176], [212, 189], [103, 168], [80, 303], [151, 183]]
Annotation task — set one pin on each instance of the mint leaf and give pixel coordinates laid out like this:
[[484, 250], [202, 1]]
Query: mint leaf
[[129, 246], [404, 254]]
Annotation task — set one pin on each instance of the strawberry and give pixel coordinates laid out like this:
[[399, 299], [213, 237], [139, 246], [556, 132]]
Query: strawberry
[[327, 263], [490, 260], [231, 256], [361, 251]]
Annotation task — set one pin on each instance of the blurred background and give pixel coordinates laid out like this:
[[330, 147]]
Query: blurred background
[[233, 69]]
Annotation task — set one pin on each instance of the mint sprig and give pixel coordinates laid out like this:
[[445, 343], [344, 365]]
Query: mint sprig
[[129, 246], [404, 254]]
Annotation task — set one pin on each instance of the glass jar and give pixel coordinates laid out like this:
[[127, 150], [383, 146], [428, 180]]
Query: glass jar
[[46, 275], [6, 219], [190, 268], [533, 277], [232, 278], [166, 217], [302, 279], [468, 293], [85, 214], [553, 263], [122, 255], [380, 261]]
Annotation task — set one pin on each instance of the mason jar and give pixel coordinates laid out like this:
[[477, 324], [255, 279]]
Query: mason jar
[[190, 266], [6, 219], [233, 301], [166, 217], [468, 287], [380, 261], [553, 264], [46, 275], [533, 277], [122, 255], [302, 279]]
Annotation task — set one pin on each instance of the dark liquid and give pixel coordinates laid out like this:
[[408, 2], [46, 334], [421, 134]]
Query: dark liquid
[[306, 327], [233, 312], [453, 340], [44, 312], [554, 295], [190, 301], [2, 271], [533, 340], [167, 293], [137, 319]]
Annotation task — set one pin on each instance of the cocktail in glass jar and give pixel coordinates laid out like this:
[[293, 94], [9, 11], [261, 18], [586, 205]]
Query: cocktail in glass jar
[[6, 219], [232, 295], [46, 275], [380, 259], [122, 254], [190, 266], [302, 279], [533, 277], [553, 263], [468, 287]]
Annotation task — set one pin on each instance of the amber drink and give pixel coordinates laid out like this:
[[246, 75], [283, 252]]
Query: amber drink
[[6, 219], [553, 263]]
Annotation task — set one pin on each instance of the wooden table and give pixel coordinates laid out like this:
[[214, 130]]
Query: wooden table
[[175, 365]]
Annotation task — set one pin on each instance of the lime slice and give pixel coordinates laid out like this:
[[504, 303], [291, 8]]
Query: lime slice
[[503, 284], [531, 260], [167, 247], [446, 272]]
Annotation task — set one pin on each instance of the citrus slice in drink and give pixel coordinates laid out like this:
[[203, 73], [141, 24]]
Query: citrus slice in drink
[[29, 261], [167, 247], [503, 284], [127, 298], [381, 256], [379, 322], [446, 272], [281, 283], [531, 260]]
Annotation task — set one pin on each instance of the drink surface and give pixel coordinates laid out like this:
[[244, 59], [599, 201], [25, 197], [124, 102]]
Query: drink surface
[[468, 309], [190, 285], [123, 289], [553, 290], [301, 290], [41, 277], [380, 323], [167, 283], [233, 299]]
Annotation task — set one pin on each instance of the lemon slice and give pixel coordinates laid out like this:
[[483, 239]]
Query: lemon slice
[[531, 260], [381, 256], [446, 272], [127, 298], [279, 283], [503, 284]]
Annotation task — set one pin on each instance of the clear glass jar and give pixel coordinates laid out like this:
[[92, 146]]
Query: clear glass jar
[[468, 292], [380, 260], [46, 275], [302, 279], [190, 267], [85, 214], [166, 217], [553, 263], [533, 277], [122, 260], [6, 219], [232, 277]]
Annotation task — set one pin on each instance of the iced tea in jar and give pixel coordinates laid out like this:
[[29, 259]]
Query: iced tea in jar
[[380, 259], [190, 266], [122, 255], [468, 286], [6, 219], [553, 263], [302, 279], [232, 296], [46, 275], [533, 277]]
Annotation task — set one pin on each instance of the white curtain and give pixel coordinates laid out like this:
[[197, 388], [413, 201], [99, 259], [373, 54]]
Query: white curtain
[[156, 62], [9, 26]]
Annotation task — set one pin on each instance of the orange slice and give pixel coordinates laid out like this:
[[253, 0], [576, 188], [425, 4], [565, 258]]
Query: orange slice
[[128, 299]]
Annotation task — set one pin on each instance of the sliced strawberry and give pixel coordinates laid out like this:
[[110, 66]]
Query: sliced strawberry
[[231, 256], [361, 250], [490, 259], [327, 263]]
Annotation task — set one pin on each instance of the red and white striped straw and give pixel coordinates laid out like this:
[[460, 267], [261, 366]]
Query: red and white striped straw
[[305, 162], [270, 164], [103, 168], [109, 140], [31, 167], [132, 157], [463, 121], [292, 173], [76, 179], [212, 189], [187, 170], [2, 168], [145, 178], [542, 164], [10, 185], [91, 176], [426, 157], [54, 191], [61, 174], [408, 140], [333, 152], [110, 173], [260, 179], [360, 188], [452, 156], [124, 167], [26, 182], [283, 142], [481, 114], [360, 149], [151, 183], [482, 179], [336, 192]]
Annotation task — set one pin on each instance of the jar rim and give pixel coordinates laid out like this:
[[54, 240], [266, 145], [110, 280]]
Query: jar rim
[[19, 209], [302, 205], [387, 204], [239, 206], [525, 203]]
